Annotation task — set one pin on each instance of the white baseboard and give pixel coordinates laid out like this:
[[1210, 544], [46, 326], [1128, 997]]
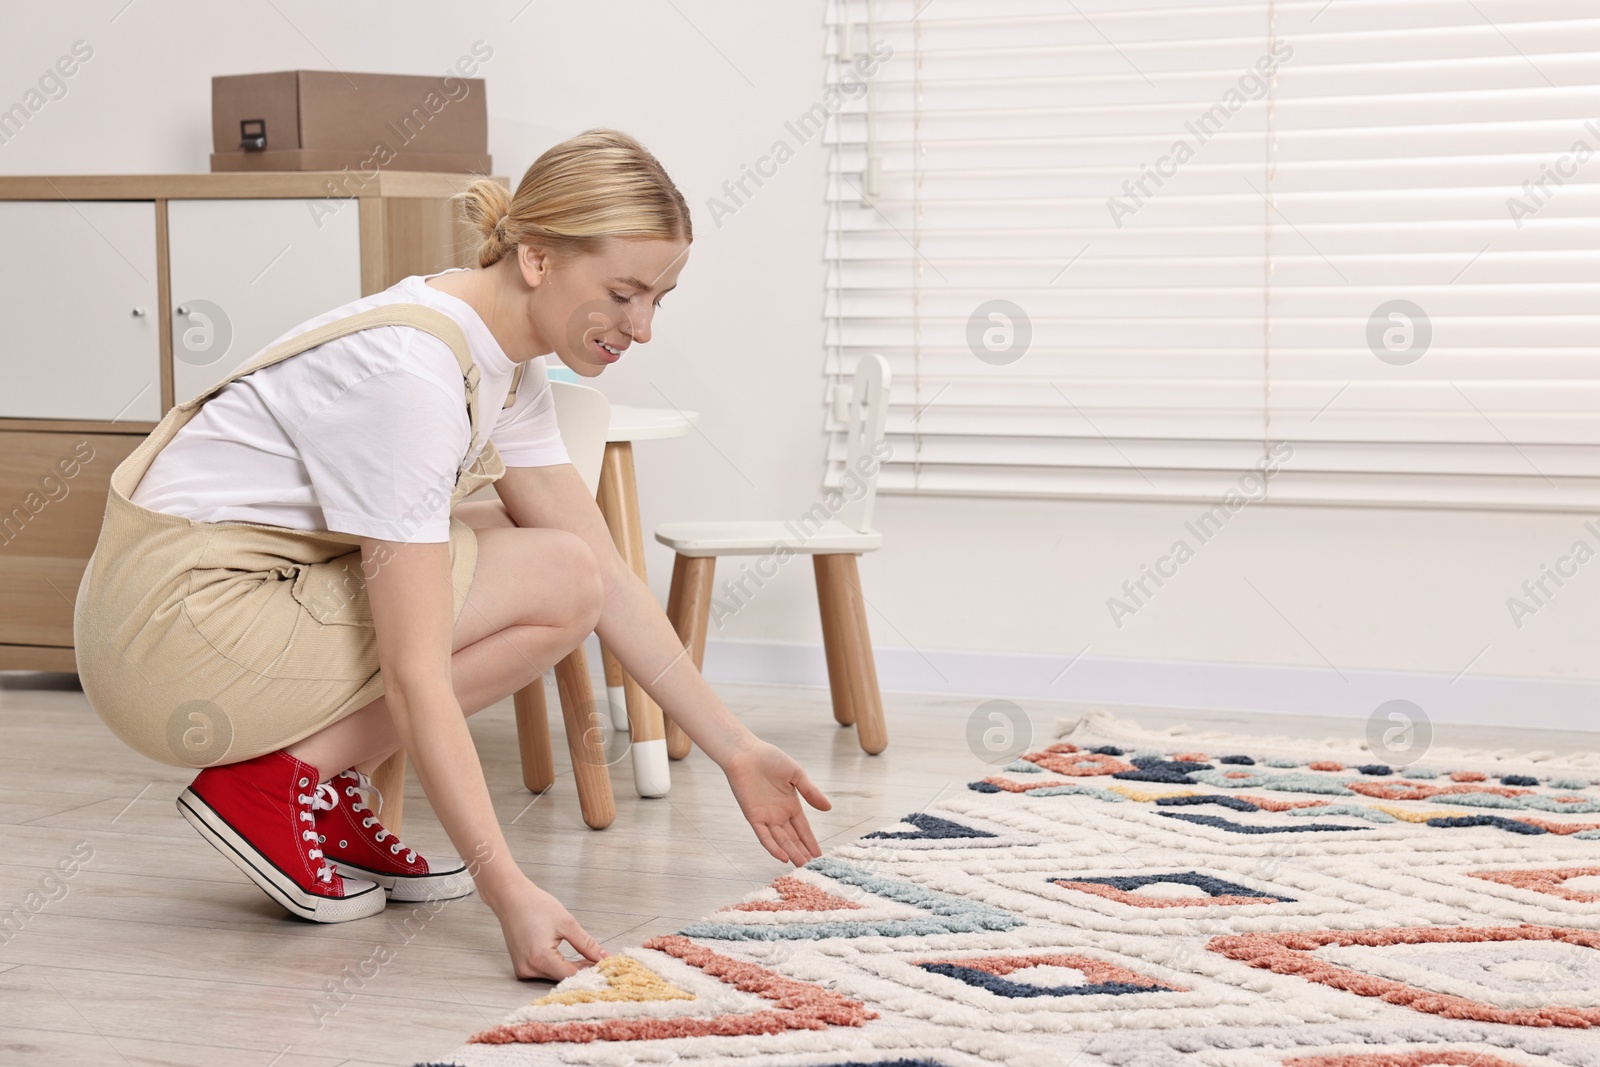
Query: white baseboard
[[1478, 700]]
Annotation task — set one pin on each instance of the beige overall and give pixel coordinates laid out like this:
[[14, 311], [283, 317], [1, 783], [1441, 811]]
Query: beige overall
[[203, 643]]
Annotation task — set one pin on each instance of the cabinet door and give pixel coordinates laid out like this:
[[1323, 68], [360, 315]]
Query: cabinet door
[[53, 487], [78, 299], [244, 272]]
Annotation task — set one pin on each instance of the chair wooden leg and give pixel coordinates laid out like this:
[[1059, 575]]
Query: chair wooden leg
[[865, 696], [533, 736], [689, 606], [585, 740], [833, 631], [850, 660], [390, 779]]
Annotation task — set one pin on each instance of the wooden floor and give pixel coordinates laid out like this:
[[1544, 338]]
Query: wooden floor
[[159, 952]]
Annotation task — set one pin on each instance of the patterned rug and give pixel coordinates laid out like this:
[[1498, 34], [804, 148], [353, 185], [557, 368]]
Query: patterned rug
[[1143, 899]]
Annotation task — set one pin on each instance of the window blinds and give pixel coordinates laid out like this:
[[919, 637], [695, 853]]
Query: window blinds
[[1129, 249]]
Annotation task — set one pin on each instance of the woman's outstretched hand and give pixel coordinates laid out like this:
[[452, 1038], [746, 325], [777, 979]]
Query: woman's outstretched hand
[[768, 785], [534, 924]]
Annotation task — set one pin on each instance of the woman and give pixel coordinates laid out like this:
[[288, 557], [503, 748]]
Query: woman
[[288, 589]]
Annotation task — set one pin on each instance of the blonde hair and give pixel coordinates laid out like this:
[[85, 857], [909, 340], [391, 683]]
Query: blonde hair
[[601, 183]]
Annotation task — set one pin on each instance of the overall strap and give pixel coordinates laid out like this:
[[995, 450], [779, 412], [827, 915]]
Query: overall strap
[[516, 383], [419, 316]]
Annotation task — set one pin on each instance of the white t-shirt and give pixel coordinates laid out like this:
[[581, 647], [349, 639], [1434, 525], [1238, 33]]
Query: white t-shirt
[[361, 435]]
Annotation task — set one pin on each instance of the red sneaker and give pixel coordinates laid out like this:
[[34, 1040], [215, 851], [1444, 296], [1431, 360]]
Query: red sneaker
[[255, 813], [361, 847]]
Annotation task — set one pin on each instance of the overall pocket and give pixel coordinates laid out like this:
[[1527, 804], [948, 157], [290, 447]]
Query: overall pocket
[[247, 618], [334, 592]]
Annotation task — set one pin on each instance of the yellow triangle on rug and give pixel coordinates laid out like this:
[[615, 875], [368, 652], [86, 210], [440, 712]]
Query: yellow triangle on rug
[[627, 980]]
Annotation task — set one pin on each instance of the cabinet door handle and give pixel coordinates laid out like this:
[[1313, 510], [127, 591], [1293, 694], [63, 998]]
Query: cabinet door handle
[[181, 309], [138, 312]]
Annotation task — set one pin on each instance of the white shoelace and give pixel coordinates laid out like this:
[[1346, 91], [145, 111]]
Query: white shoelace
[[318, 801], [358, 803]]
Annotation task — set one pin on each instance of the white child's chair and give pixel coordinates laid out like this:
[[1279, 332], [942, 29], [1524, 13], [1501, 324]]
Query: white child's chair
[[832, 539]]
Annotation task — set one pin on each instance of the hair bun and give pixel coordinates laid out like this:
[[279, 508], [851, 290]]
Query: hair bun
[[486, 207]]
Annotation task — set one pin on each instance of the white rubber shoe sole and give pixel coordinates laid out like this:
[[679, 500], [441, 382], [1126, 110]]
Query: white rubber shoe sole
[[362, 897], [412, 888]]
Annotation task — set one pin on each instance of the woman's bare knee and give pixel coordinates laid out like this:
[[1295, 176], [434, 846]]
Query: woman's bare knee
[[577, 558], [531, 577], [585, 584]]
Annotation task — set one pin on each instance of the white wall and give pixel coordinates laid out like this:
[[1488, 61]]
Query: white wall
[[1398, 602]]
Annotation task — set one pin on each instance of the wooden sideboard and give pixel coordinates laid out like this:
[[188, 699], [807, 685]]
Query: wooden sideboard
[[124, 294]]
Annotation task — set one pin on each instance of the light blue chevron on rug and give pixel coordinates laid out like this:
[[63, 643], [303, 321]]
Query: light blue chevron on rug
[[946, 914]]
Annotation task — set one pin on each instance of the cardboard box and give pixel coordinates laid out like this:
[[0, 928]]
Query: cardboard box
[[327, 120]]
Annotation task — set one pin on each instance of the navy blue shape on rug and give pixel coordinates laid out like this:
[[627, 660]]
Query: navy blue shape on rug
[[1207, 798], [1210, 885], [1004, 987], [1514, 825], [1239, 828], [1170, 772], [928, 828]]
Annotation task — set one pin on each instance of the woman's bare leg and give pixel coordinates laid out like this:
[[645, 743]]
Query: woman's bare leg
[[535, 596]]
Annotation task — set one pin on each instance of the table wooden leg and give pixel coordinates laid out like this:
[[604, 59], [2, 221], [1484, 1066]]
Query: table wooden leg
[[619, 503], [689, 606], [678, 743], [615, 694]]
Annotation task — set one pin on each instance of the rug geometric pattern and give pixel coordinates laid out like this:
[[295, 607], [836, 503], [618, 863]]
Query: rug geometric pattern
[[1142, 899]]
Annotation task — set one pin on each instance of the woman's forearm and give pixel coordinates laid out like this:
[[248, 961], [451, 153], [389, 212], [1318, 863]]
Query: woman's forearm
[[436, 738], [636, 631]]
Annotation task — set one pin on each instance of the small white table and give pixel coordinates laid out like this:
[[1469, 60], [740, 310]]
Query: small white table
[[655, 739], [648, 424]]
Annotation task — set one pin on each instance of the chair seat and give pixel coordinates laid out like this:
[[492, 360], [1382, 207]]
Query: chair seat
[[759, 537]]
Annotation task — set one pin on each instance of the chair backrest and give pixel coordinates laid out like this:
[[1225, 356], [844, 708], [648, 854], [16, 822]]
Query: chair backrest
[[584, 415], [869, 406]]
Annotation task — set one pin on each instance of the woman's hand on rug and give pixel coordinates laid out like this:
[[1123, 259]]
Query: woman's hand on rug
[[768, 785], [534, 924]]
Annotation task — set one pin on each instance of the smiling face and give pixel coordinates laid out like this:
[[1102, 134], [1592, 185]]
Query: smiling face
[[588, 309]]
